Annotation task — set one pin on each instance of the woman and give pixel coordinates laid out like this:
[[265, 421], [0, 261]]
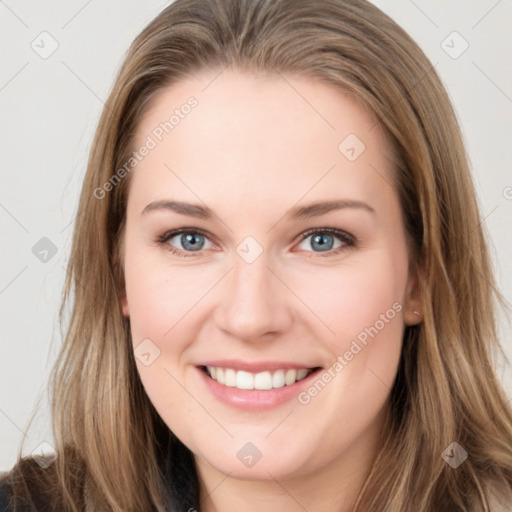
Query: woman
[[323, 349]]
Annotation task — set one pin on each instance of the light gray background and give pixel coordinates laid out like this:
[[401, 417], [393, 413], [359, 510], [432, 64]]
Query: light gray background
[[50, 107]]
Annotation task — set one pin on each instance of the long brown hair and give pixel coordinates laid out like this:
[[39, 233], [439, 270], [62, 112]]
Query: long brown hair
[[114, 450]]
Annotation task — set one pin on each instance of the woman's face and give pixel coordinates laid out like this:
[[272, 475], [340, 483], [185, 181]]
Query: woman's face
[[291, 273]]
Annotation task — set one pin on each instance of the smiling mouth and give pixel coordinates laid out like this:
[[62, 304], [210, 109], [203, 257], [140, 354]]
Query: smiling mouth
[[265, 380]]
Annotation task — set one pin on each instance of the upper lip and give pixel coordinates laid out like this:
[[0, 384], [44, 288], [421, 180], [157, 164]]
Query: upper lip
[[256, 366]]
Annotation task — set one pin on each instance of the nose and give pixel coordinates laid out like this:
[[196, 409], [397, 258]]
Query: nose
[[255, 305]]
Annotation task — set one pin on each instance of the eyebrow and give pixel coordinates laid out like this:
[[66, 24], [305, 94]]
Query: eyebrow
[[296, 213]]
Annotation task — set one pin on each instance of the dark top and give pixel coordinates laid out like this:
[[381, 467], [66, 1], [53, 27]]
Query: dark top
[[4, 497], [29, 488]]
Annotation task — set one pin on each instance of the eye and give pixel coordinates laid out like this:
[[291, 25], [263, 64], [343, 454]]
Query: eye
[[191, 240], [324, 241]]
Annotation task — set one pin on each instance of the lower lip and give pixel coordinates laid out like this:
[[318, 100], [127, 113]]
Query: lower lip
[[255, 399]]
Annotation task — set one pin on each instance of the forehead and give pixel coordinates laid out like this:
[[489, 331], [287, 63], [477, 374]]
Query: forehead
[[260, 137]]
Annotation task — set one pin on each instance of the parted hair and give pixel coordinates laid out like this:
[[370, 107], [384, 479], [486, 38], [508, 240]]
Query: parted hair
[[114, 451]]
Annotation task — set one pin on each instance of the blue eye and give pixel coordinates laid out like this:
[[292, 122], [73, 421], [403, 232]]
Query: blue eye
[[324, 242], [191, 241]]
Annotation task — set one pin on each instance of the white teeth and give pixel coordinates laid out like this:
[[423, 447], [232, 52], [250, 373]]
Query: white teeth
[[278, 379], [262, 381], [244, 380], [301, 373], [230, 377], [290, 377]]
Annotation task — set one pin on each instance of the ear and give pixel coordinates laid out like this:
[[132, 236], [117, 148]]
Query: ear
[[413, 309], [124, 305], [119, 273]]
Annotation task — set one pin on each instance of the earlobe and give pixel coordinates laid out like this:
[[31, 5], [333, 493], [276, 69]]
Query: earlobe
[[413, 314], [413, 310], [412, 317], [124, 305]]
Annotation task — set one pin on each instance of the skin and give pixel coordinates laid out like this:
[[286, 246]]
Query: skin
[[253, 148]]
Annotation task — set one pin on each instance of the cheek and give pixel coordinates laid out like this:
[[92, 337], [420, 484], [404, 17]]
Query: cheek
[[352, 298], [362, 305], [160, 296], [161, 306]]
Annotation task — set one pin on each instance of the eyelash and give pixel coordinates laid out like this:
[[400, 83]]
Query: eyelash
[[348, 240]]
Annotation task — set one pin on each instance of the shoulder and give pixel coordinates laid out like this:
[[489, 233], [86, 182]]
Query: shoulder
[[29, 485], [4, 495]]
